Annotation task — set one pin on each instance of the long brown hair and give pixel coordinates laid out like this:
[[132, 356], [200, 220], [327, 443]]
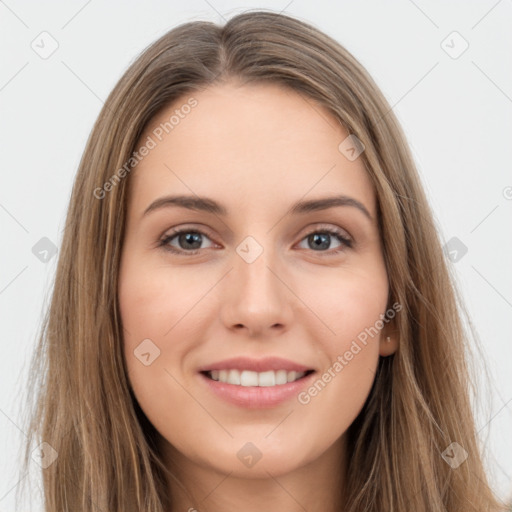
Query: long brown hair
[[106, 455]]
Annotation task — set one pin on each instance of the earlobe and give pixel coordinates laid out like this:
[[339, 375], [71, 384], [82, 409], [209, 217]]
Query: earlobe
[[388, 344]]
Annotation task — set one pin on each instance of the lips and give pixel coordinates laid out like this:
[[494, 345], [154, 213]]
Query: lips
[[256, 383], [256, 365]]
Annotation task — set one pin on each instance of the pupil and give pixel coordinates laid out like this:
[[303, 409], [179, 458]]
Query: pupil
[[191, 238], [321, 240]]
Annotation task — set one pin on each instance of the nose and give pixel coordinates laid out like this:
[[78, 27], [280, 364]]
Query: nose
[[258, 299]]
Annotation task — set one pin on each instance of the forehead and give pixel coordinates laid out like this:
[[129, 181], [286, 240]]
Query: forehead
[[254, 145]]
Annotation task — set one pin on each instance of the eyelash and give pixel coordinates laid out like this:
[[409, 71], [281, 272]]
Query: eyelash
[[345, 242]]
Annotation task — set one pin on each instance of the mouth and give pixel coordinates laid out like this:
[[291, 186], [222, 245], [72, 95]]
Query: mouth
[[253, 383], [249, 389], [249, 378]]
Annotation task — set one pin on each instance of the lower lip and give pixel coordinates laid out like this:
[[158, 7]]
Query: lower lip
[[257, 397]]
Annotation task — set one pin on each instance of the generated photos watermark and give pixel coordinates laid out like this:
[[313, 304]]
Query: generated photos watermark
[[150, 143], [344, 359]]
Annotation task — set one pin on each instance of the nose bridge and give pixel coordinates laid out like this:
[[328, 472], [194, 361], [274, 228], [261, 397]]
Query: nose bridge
[[252, 270], [257, 298]]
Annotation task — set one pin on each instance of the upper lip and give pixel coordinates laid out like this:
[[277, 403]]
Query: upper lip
[[255, 365]]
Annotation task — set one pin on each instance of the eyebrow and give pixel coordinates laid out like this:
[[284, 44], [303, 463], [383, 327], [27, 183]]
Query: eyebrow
[[206, 204]]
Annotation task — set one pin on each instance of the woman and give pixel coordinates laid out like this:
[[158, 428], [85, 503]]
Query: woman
[[260, 370]]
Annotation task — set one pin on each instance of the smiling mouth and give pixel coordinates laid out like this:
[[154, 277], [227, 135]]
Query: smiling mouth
[[247, 378]]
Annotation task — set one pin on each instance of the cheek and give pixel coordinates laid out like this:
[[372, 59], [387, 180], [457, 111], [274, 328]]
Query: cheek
[[153, 313], [147, 311], [349, 305], [158, 308], [154, 302]]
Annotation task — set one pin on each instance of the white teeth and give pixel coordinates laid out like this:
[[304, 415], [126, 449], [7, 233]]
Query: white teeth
[[234, 377], [267, 378], [281, 377], [249, 378]]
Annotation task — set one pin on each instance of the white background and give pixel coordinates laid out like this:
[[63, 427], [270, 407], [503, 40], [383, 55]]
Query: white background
[[456, 113]]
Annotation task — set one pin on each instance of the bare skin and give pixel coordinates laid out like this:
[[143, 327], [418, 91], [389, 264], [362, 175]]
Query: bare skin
[[256, 150]]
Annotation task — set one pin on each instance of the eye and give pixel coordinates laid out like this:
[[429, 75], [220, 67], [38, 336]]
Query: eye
[[321, 239], [186, 238], [189, 240]]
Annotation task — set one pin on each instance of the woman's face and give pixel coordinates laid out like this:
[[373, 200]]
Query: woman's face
[[261, 273]]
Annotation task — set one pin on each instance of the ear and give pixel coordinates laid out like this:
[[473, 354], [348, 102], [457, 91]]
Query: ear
[[388, 343]]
